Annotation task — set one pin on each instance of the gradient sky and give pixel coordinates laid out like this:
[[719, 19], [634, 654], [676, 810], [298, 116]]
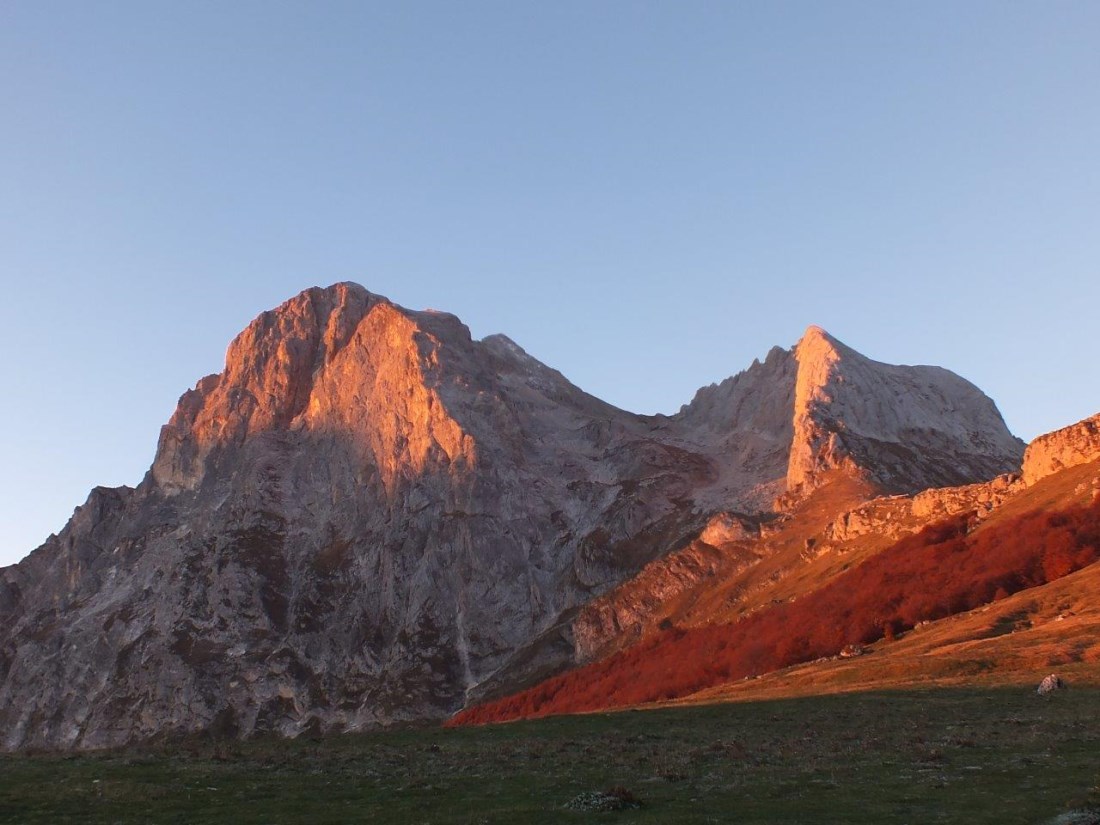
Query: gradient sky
[[644, 195]]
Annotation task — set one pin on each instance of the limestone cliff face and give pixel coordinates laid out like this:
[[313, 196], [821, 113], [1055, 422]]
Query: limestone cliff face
[[1068, 447], [727, 545], [746, 423], [267, 382], [368, 516]]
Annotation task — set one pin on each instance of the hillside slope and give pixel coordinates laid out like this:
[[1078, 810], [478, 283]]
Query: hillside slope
[[1038, 536]]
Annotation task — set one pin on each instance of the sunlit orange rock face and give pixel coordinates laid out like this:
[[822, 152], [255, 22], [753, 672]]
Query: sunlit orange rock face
[[329, 361], [369, 516], [1069, 447]]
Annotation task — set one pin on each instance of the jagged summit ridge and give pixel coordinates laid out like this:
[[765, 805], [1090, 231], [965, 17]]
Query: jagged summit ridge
[[370, 516]]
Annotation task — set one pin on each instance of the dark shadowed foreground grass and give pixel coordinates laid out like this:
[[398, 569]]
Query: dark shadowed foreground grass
[[969, 756]]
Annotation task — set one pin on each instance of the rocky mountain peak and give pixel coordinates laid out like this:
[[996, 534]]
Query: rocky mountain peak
[[902, 427], [784, 425], [317, 361], [815, 446], [817, 344]]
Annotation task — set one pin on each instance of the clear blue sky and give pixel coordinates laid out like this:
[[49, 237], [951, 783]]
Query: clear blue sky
[[644, 195]]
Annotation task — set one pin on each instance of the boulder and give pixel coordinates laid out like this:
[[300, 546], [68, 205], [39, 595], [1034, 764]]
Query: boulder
[[1050, 684]]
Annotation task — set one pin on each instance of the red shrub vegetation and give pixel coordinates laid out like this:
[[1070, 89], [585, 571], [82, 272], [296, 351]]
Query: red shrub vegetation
[[935, 573]]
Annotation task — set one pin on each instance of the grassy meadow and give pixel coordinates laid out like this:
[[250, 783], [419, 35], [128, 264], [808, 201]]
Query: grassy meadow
[[999, 756]]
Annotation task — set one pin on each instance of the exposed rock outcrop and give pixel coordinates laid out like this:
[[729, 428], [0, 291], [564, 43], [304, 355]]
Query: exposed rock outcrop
[[896, 516], [1068, 447], [616, 619], [369, 516]]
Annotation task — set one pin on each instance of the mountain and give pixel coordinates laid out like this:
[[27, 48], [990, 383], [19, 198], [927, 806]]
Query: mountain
[[368, 516], [906, 428]]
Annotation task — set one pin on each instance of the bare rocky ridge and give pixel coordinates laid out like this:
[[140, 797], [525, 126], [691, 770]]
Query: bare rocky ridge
[[1068, 447], [896, 516], [369, 516]]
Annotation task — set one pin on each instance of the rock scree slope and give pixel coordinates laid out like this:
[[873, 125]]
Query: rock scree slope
[[368, 516]]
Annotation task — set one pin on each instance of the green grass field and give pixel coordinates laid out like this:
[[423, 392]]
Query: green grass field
[[968, 756]]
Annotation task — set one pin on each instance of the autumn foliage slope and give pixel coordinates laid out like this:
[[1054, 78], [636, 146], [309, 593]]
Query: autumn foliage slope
[[938, 572]]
